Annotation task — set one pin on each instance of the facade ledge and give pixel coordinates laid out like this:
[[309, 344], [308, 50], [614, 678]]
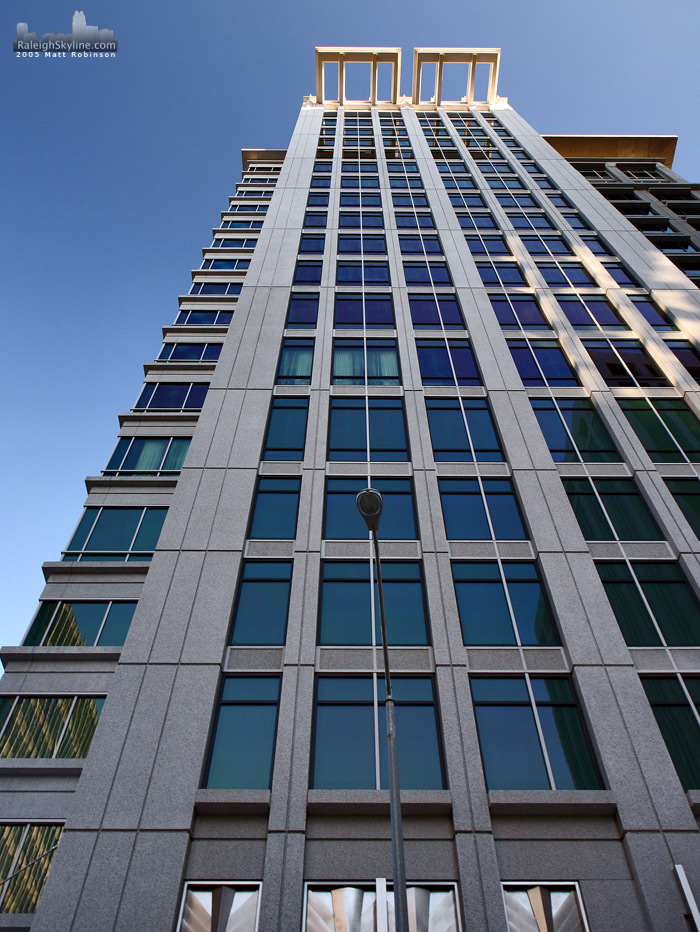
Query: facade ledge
[[137, 418], [376, 802], [184, 330], [25, 767], [132, 483], [231, 802], [593, 469], [82, 654], [60, 570], [694, 800], [552, 802], [174, 368]]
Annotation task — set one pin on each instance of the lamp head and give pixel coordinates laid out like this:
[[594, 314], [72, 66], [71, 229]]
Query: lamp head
[[369, 503]]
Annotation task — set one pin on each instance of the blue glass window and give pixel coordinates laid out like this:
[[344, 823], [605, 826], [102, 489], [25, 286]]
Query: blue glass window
[[193, 318], [247, 718], [626, 510], [308, 272], [345, 736], [296, 361], [343, 521], [438, 359], [503, 273], [364, 244], [420, 245], [150, 456], [566, 275], [426, 273], [275, 509], [263, 602], [116, 534], [354, 219], [80, 624], [488, 618], [347, 433], [364, 311], [651, 313], [190, 352], [448, 432], [430, 312], [363, 199], [553, 368], [513, 755], [286, 429], [624, 363], [349, 362], [303, 311], [358, 273], [312, 243], [315, 218], [345, 613], [574, 431], [515, 311], [667, 614], [465, 510], [678, 722], [487, 245], [590, 312], [172, 396]]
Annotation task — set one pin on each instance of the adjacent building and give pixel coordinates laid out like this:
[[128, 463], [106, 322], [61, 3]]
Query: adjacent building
[[497, 330]]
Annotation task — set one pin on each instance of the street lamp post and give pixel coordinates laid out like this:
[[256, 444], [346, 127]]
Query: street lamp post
[[369, 504]]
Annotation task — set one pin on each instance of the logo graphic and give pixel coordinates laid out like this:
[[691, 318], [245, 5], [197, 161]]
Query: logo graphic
[[83, 41]]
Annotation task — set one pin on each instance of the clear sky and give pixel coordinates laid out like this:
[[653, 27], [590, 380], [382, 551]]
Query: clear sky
[[115, 171]]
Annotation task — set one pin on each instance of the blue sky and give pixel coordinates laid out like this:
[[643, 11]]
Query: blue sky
[[115, 171]]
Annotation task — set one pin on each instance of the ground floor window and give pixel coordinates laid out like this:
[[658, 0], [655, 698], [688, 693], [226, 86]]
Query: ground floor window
[[370, 907]]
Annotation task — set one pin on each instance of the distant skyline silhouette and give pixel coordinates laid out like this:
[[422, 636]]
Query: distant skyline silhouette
[[82, 36]]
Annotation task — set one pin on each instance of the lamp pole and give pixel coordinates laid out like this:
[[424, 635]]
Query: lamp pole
[[369, 504]]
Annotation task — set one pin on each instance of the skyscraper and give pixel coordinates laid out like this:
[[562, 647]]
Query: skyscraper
[[423, 295]]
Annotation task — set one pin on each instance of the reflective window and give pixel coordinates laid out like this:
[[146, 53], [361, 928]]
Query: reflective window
[[471, 515], [247, 718], [362, 909], [686, 354], [434, 312], [190, 352], [609, 509], [303, 311], [348, 429], [363, 244], [675, 701], [80, 624], [589, 313], [446, 362], [380, 356], [286, 429], [308, 273], [624, 363], [116, 534], [528, 908], [508, 712], [574, 431], [296, 361], [652, 314], [462, 431], [426, 273], [263, 601], [207, 906], [350, 723], [312, 243], [48, 726], [343, 521], [26, 852], [151, 456], [502, 604], [172, 396], [275, 509], [542, 362], [363, 273], [515, 311], [666, 427], [346, 603], [686, 494], [652, 602], [364, 311]]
